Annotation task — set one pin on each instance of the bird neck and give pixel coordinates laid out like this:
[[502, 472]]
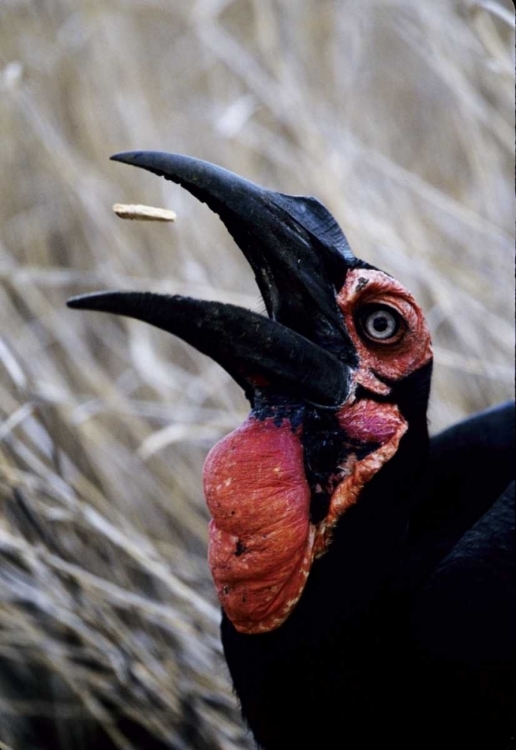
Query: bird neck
[[368, 542]]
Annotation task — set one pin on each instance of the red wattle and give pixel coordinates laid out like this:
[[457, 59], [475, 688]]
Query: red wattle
[[260, 536]]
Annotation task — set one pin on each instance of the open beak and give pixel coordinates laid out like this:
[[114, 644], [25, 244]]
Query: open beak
[[300, 258]]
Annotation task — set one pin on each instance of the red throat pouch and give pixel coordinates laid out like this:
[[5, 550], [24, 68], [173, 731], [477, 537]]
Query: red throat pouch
[[260, 535], [262, 542]]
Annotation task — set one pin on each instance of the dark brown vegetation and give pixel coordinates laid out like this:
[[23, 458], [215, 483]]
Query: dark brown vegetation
[[397, 115]]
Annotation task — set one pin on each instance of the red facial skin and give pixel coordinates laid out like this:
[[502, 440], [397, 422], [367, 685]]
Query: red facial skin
[[393, 360], [262, 542]]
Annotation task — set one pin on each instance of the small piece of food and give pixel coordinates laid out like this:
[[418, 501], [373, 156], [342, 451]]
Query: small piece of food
[[143, 213]]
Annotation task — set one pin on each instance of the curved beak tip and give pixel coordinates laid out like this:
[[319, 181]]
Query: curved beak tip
[[76, 303], [93, 301], [125, 157]]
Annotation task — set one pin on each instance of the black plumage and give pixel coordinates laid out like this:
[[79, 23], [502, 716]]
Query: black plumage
[[423, 654]]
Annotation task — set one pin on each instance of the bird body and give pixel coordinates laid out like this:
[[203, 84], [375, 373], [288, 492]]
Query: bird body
[[364, 572], [421, 636]]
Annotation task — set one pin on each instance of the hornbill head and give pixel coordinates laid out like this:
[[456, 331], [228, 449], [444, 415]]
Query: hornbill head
[[327, 374]]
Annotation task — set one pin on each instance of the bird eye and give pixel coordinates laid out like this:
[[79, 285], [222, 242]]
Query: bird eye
[[380, 323]]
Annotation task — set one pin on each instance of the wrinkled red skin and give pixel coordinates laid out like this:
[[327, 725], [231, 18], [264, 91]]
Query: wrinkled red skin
[[259, 498], [262, 542]]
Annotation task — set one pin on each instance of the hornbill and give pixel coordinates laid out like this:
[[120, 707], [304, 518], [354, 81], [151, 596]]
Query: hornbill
[[364, 571]]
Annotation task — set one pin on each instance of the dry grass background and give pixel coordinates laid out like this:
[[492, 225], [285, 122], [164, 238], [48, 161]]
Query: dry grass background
[[397, 115]]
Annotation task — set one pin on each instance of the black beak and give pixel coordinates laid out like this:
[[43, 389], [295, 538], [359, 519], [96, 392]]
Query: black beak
[[257, 352], [300, 258], [294, 245]]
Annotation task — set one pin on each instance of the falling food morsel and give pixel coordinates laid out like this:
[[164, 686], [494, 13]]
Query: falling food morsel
[[143, 213]]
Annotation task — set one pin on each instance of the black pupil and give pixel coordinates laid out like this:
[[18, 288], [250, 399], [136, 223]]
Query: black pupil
[[380, 323]]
